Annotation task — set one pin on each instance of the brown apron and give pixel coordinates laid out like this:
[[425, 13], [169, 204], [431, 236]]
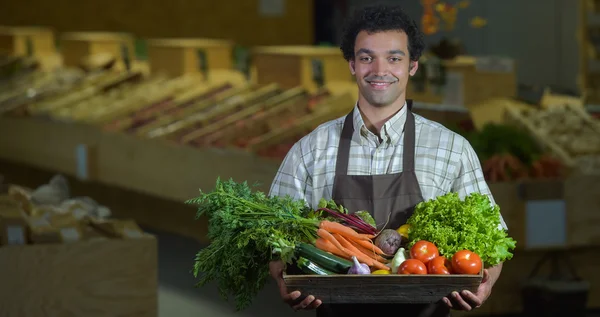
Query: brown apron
[[392, 196]]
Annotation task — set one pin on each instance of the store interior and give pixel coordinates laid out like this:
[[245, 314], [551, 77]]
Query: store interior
[[113, 115]]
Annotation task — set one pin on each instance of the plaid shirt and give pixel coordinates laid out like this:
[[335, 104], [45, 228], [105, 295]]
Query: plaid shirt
[[444, 161]]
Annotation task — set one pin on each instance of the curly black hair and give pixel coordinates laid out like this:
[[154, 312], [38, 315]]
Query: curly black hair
[[379, 18]]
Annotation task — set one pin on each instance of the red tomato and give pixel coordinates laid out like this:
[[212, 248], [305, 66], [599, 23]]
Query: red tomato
[[439, 265], [412, 266], [424, 251], [466, 262]]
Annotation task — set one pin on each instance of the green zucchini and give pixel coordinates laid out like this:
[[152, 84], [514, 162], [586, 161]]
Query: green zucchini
[[310, 268], [326, 260]]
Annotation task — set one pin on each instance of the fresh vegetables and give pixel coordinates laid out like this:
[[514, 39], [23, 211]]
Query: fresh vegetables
[[424, 251], [403, 231], [330, 244], [311, 268], [466, 262], [398, 259], [361, 221], [454, 224], [440, 265], [358, 268], [412, 266], [323, 259], [247, 230], [389, 241]]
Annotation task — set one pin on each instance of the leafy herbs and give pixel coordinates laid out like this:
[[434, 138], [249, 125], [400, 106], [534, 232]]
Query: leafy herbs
[[453, 225], [247, 230]]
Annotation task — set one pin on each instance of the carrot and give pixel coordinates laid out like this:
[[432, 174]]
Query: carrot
[[329, 237], [367, 236], [372, 254], [328, 246], [357, 248], [334, 227], [369, 245]]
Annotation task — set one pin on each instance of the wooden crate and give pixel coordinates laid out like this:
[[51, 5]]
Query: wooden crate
[[308, 66], [76, 46], [381, 289], [112, 277], [176, 57]]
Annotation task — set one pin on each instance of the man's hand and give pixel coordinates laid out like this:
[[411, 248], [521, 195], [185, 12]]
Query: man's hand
[[276, 268], [468, 301]]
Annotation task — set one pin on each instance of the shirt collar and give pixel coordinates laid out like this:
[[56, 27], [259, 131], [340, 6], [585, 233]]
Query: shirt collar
[[390, 132]]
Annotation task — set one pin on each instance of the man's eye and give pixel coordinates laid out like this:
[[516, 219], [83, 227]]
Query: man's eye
[[395, 59], [365, 59]]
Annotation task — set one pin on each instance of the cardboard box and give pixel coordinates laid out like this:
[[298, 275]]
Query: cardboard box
[[45, 230], [180, 56], [311, 67], [105, 277], [27, 41], [77, 46], [468, 81]]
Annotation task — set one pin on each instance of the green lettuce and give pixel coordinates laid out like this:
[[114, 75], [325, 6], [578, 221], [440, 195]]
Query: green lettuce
[[453, 224]]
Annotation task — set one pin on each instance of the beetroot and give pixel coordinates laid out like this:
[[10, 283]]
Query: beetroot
[[389, 241]]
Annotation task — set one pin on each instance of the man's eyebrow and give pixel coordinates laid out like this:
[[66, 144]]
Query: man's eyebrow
[[397, 52], [391, 52]]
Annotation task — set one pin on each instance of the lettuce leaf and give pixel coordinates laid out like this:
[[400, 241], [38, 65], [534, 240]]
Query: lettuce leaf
[[453, 224]]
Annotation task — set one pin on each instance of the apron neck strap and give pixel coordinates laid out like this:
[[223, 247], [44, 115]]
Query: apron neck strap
[[408, 152]]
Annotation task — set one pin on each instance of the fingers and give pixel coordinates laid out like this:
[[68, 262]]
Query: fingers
[[289, 298], [308, 303], [471, 299], [459, 303], [448, 302], [486, 276], [276, 270]]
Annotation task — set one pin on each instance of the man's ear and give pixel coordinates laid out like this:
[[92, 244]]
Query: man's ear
[[413, 68], [351, 65]]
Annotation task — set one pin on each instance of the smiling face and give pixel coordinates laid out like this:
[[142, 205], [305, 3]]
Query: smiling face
[[382, 66]]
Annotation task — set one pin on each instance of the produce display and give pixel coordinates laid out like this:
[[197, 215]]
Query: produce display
[[249, 229], [48, 214], [567, 132], [509, 153], [188, 110]]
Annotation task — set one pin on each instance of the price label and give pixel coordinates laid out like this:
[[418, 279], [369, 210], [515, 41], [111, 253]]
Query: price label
[[82, 159], [15, 235]]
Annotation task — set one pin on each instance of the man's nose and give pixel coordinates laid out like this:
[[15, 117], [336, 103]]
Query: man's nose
[[380, 67]]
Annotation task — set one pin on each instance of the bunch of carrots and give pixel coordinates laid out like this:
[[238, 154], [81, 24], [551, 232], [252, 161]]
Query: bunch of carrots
[[345, 242]]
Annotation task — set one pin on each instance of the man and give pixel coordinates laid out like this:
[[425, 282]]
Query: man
[[381, 157]]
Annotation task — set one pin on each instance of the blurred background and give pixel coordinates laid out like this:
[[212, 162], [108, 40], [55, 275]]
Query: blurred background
[[113, 113]]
